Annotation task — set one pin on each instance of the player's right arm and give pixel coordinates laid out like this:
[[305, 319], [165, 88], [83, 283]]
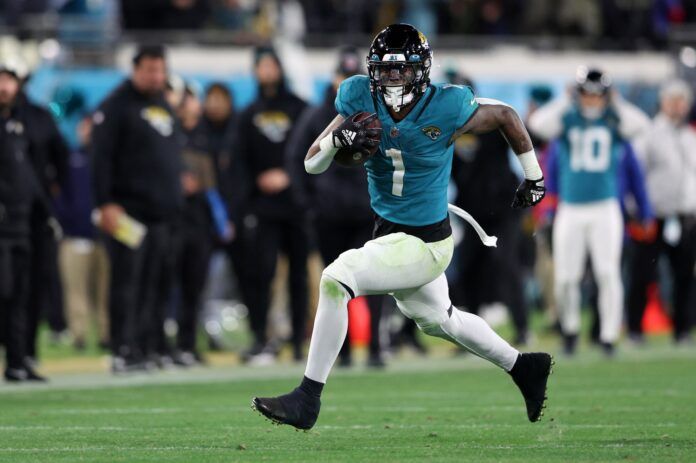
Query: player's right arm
[[340, 133]]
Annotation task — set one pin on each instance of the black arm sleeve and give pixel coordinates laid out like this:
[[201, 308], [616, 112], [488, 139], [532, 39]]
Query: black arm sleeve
[[104, 146]]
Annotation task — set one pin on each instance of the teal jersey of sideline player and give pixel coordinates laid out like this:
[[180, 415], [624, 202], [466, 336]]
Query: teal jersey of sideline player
[[589, 156], [409, 174]]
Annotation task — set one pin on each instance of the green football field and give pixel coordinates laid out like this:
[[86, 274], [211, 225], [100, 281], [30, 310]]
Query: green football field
[[639, 407]]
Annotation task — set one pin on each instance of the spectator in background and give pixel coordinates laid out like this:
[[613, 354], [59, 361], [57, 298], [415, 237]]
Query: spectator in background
[[342, 216], [13, 10], [273, 221], [665, 14], [49, 155], [137, 174], [165, 14], [19, 194], [232, 14], [216, 135], [497, 17], [542, 214], [482, 172], [84, 263], [204, 222], [215, 131], [668, 154]]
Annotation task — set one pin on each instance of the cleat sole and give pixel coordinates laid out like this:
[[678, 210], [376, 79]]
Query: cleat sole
[[272, 419], [546, 396], [268, 418]]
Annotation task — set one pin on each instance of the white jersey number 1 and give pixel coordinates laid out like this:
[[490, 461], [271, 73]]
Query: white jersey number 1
[[399, 170]]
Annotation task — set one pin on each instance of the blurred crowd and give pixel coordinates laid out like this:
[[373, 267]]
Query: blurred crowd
[[604, 23], [119, 232]]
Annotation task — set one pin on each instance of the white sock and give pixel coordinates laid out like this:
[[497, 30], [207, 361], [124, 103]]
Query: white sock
[[474, 334], [330, 328]]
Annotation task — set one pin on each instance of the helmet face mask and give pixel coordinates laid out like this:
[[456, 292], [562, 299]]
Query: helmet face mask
[[395, 74], [593, 89], [399, 65]]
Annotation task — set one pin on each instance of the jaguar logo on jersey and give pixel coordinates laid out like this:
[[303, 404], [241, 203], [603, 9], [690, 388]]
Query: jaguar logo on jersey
[[159, 118], [432, 132], [274, 125]]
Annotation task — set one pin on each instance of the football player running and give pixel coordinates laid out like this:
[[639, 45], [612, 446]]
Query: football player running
[[412, 244], [592, 130]]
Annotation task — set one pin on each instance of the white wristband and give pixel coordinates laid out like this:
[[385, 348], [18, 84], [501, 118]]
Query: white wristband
[[530, 165], [322, 160], [326, 143]]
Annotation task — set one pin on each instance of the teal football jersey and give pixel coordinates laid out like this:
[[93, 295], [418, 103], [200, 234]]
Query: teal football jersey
[[409, 174], [589, 156]]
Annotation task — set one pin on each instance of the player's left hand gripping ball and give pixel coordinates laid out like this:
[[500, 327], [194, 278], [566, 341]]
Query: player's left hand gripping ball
[[529, 193], [357, 139]]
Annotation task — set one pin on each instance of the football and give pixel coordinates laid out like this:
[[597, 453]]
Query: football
[[346, 157]]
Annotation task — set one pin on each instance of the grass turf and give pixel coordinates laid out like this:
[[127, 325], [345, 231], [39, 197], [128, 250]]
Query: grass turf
[[639, 407]]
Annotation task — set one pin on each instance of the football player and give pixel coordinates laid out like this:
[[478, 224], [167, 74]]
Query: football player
[[412, 244], [592, 129]]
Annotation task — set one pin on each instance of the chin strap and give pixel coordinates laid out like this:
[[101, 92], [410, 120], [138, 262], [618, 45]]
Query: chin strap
[[395, 97]]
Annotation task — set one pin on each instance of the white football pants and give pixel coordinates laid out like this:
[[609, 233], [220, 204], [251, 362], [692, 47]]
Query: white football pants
[[595, 228], [412, 271]]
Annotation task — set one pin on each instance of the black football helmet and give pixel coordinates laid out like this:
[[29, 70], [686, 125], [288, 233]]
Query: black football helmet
[[399, 63], [592, 81]]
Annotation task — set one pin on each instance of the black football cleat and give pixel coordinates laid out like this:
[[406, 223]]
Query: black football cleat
[[608, 349], [376, 361], [15, 375], [570, 344], [32, 375], [298, 408], [530, 373], [23, 374]]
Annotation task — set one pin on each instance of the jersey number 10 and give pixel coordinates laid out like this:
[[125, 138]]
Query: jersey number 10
[[590, 149]]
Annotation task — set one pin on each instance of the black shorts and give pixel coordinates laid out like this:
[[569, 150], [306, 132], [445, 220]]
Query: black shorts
[[432, 233]]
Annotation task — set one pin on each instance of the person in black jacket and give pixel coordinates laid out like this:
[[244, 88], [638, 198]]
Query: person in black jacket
[[19, 193], [482, 174], [340, 204], [215, 131], [49, 154], [204, 218], [272, 220], [137, 172]]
